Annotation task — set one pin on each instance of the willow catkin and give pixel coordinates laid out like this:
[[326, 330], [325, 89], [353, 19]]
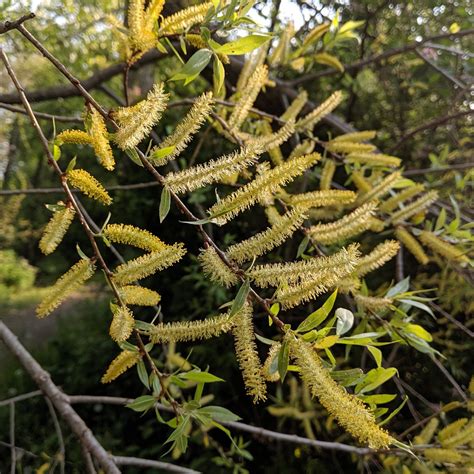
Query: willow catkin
[[378, 257], [138, 295], [270, 366], [327, 174], [122, 324], [295, 107], [77, 137], [413, 246], [443, 248], [216, 269], [56, 229], [310, 120], [67, 284], [329, 197], [131, 235], [100, 140], [183, 19], [381, 188], [124, 361], [85, 182], [414, 207]]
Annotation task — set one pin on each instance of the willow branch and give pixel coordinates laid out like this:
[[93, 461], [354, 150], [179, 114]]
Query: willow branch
[[8, 25], [162, 466], [42, 115]]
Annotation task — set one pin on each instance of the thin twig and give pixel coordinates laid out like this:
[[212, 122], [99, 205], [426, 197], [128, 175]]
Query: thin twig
[[59, 434], [12, 438], [450, 378], [163, 466], [42, 115], [12, 25]]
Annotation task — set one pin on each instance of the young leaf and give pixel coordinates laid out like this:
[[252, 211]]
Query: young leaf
[[345, 320], [218, 75], [219, 413], [283, 360], [240, 299], [142, 403], [376, 354], [196, 376], [165, 203], [143, 374], [316, 318], [162, 152], [243, 45], [197, 62]]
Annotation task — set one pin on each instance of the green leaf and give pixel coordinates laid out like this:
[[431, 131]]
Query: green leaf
[[219, 413], [345, 320], [316, 318], [56, 152], [196, 376], [197, 62], [264, 340], [283, 360], [419, 305], [400, 287], [347, 377], [165, 203], [133, 155], [55, 207], [218, 75], [376, 354], [155, 384], [419, 331], [142, 403], [394, 412], [243, 45], [378, 399], [240, 299], [302, 246], [143, 374], [162, 153], [71, 165], [375, 378]]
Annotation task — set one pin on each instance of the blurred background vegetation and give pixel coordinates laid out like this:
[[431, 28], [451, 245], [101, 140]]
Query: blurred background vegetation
[[413, 91]]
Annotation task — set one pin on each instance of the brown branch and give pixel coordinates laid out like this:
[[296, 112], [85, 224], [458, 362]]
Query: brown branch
[[8, 25], [379, 57], [450, 378], [12, 439], [42, 115], [59, 434], [58, 398], [163, 466], [441, 169]]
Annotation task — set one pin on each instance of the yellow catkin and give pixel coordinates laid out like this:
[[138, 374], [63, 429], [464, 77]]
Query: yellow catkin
[[463, 436], [373, 303], [427, 432], [136, 122], [349, 411], [272, 214], [153, 12], [373, 159], [241, 109], [131, 235], [327, 174], [274, 151], [148, 264], [77, 137], [85, 182], [137, 295], [212, 171], [414, 207], [185, 129], [380, 189], [348, 226], [253, 61], [360, 182], [183, 19], [67, 284], [441, 456], [100, 140], [271, 140], [443, 248], [378, 257], [56, 229], [295, 107], [262, 185], [390, 204], [122, 324], [310, 120], [182, 331], [216, 269], [452, 429], [135, 17], [349, 147], [270, 238], [412, 245], [328, 197], [376, 225], [124, 361], [274, 274], [281, 52], [247, 355], [270, 366], [356, 137], [303, 148]]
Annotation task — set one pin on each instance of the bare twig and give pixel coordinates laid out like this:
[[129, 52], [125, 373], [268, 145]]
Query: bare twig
[[460, 325], [12, 25], [441, 169], [163, 466], [12, 438], [42, 115], [59, 434], [450, 378]]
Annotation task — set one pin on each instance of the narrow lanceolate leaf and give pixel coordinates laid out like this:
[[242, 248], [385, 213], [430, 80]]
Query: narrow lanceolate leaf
[[241, 298], [148, 264], [165, 204], [243, 45], [136, 122], [120, 364], [56, 229], [82, 180], [262, 185], [318, 316], [67, 284], [197, 62], [122, 324], [211, 171], [130, 235]]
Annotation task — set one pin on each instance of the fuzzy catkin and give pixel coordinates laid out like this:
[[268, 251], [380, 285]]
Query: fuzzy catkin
[[122, 324], [378, 257], [100, 140], [443, 248], [124, 361], [391, 203], [412, 245], [67, 284], [373, 159], [310, 120], [349, 147], [266, 183], [77, 137], [329, 197], [85, 182], [183, 19], [216, 269], [373, 303], [137, 295], [349, 411], [131, 235], [56, 229], [380, 189], [327, 174], [356, 137], [414, 207], [247, 355], [295, 107]]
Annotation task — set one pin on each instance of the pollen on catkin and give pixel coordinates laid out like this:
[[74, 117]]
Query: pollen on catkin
[[271, 140], [380, 189], [327, 174], [247, 355], [452, 429], [348, 226], [427, 433], [131, 235], [181, 331], [73, 279], [262, 185], [328, 197], [139, 296], [349, 147], [349, 411], [85, 182], [356, 137], [412, 245], [391, 203], [373, 303], [463, 436], [183, 19], [136, 122], [216, 269], [124, 361], [295, 107], [185, 129], [56, 229], [211, 171], [303, 148], [443, 248], [378, 257], [310, 120], [373, 159], [360, 182], [122, 324], [148, 264], [77, 137], [270, 238], [100, 140], [414, 207], [442, 456], [241, 109], [152, 13]]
